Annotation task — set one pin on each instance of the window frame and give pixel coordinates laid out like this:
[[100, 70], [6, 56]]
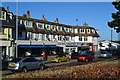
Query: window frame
[[41, 25], [3, 15], [27, 22]]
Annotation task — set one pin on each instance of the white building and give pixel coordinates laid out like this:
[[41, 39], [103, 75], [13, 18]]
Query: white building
[[38, 35], [105, 45]]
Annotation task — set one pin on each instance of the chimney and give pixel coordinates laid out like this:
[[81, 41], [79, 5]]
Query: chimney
[[28, 14], [85, 24], [43, 18], [24, 15], [56, 20], [7, 9]]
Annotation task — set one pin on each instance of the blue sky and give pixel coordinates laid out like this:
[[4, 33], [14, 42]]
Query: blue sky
[[96, 14]]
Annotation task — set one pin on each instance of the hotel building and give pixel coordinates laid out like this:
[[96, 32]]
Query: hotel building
[[36, 35]]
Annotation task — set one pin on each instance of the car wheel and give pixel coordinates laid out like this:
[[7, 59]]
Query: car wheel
[[41, 67], [24, 70]]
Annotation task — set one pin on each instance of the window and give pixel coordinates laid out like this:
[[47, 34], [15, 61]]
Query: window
[[28, 23], [47, 26], [93, 31], [72, 30], [88, 30], [80, 38], [85, 38], [82, 30], [59, 28], [3, 15], [76, 30], [60, 37], [67, 29], [10, 15], [53, 27], [19, 22], [40, 25], [43, 37]]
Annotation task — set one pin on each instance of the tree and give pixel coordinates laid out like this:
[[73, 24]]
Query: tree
[[116, 16]]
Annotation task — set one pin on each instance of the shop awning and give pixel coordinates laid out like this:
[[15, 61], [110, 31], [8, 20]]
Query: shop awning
[[35, 46], [54, 46]]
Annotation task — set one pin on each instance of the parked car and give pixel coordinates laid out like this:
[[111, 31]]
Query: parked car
[[105, 54], [60, 58], [25, 63], [85, 57], [90, 52], [74, 55], [4, 64]]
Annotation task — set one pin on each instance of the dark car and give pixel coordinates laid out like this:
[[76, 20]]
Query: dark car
[[90, 52], [85, 57], [74, 55]]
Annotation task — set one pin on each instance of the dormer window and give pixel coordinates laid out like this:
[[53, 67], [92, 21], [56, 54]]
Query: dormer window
[[88, 30], [72, 30], [10, 14], [53, 27], [59, 28], [93, 31], [76, 30], [82, 30], [47, 26], [2, 15], [67, 29], [28, 23], [40, 25]]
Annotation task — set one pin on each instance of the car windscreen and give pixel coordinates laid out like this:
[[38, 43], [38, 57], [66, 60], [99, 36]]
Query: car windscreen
[[59, 56], [16, 60], [103, 52]]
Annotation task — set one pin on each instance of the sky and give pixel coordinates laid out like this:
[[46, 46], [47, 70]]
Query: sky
[[95, 14]]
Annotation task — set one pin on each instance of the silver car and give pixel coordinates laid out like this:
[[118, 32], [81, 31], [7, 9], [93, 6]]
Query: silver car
[[25, 63], [105, 54]]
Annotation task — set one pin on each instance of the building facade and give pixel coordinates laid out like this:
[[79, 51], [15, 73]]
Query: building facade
[[6, 30], [36, 35]]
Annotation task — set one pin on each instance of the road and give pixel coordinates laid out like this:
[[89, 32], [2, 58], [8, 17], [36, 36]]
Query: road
[[72, 62]]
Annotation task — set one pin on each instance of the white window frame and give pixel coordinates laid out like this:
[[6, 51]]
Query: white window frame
[[58, 28], [30, 24], [88, 30], [71, 30], [93, 31], [67, 29], [54, 27], [47, 27], [3, 13], [40, 24], [82, 30], [85, 38], [76, 30], [80, 38]]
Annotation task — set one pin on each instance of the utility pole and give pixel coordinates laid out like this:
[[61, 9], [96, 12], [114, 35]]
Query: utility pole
[[16, 51]]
